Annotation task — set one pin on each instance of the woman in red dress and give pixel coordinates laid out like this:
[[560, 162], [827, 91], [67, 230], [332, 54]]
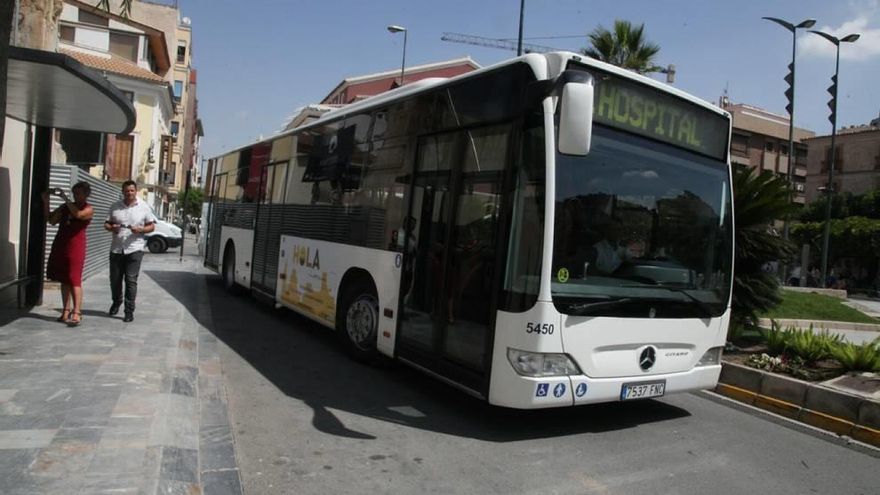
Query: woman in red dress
[[69, 248]]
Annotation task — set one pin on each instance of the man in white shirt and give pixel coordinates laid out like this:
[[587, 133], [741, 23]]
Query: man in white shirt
[[129, 219]]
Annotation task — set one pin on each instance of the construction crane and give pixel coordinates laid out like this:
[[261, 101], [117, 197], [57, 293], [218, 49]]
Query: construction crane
[[470, 39]]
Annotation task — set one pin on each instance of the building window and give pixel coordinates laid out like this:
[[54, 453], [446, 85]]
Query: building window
[[739, 144], [178, 90], [181, 53], [67, 33], [175, 128], [838, 159], [124, 45], [769, 146], [90, 18]]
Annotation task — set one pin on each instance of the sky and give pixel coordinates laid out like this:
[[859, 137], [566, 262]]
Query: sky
[[260, 60]]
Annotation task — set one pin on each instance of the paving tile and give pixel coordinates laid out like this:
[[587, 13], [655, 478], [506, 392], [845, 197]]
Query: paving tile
[[221, 482], [172, 487], [214, 413], [64, 459], [180, 465], [216, 449], [16, 461], [184, 381], [26, 439], [50, 420], [109, 484], [89, 434], [137, 405], [117, 460]]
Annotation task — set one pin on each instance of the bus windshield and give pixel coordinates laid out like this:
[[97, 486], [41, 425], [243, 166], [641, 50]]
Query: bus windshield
[[642, 229]]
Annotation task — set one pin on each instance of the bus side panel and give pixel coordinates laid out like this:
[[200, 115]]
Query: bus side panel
[[243, 239], [310, 273]]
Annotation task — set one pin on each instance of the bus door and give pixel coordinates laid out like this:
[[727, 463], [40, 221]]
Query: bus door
[[448, 298]]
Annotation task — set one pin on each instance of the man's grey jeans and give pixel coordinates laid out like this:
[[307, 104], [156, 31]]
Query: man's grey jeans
[[126, 266]]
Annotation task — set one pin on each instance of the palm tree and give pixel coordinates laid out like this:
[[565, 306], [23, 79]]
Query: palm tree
[[625, 47], [758, 201]]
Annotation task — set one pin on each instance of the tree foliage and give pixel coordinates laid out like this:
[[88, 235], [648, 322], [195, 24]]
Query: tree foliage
[[193, 202], [850, 237], [626, 46], [759, 200], [844, 205]]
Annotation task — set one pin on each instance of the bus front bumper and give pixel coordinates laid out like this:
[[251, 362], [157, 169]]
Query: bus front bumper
[[535, 393]]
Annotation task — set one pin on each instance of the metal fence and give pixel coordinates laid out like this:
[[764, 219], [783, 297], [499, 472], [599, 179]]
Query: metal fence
[[104, 194]]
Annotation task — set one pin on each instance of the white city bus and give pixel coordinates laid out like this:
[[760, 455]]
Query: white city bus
[[549, 231]]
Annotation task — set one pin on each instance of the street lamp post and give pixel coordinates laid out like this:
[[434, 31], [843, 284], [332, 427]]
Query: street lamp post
[[789, 93], [829, 190], [400, 29], [522, 10]]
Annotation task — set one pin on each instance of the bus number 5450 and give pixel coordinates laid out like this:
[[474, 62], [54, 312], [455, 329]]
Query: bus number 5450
[[539, 328]]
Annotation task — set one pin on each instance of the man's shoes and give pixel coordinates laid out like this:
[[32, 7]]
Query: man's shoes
[[129, 316], [114, 308]]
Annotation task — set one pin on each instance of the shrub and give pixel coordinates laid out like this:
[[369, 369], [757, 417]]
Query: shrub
[[812, 347], [865, 357], [775, 338]]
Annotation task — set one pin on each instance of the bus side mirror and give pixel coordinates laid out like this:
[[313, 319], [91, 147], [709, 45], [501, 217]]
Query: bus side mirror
[[576, 117]]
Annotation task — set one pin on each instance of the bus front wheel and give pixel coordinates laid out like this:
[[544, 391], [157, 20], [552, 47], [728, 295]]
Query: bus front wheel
[[358, 322]]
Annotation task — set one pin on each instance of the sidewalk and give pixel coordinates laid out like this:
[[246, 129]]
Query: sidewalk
[[113, 407]]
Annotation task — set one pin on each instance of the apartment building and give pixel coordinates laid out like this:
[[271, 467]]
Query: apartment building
[[181, 147], [356, 88], [760, 141], [856, 160], [134, 57]]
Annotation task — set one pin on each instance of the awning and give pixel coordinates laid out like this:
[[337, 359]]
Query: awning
[[53, 90]]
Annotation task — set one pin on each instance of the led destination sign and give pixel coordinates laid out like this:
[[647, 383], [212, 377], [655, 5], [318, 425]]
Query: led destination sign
[[644, 110]]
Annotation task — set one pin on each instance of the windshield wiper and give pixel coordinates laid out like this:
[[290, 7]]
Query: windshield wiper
[[581, 309], [707, 310]]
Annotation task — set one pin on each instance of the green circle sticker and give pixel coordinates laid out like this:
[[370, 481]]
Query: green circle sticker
[[562, 275]]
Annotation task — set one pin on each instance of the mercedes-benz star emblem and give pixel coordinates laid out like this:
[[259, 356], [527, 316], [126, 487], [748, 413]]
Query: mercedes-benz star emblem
[[647, 358]]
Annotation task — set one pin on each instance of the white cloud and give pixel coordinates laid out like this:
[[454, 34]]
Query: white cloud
[[866, 47]]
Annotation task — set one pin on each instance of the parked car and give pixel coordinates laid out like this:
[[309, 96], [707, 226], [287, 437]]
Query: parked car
[[164, 236]]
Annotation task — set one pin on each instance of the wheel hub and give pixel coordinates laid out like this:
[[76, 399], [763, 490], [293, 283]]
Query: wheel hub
[[360, 322]]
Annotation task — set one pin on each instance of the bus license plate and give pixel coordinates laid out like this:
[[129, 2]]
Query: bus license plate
[[642, 390]]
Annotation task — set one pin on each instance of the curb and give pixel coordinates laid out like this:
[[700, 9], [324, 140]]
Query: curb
[[815, 405], [819, 325], [838, 293]]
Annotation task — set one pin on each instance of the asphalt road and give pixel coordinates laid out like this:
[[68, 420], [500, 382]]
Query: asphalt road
[[307, 419]]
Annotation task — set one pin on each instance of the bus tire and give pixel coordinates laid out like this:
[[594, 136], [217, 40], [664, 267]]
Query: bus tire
[[228, 272], [357, 320]]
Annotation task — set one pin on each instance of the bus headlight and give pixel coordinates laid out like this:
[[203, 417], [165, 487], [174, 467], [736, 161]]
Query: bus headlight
[[711, 357], [538, 364]]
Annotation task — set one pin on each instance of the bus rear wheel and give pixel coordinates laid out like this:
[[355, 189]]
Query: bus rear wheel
[[358, 322]]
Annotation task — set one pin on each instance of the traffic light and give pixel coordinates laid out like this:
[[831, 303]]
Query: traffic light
[[832, 103], [789, 92]]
